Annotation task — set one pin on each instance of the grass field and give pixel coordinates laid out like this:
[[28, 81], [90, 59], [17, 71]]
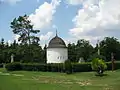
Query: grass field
[[25, 80]]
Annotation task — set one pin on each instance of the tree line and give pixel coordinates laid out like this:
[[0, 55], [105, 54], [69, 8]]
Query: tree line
[[29, 49], [106, 47]]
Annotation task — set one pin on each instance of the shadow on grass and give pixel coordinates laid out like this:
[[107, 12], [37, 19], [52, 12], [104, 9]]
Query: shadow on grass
[[101, 75]]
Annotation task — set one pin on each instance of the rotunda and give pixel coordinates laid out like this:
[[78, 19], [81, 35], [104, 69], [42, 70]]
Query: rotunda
[[57, 51]]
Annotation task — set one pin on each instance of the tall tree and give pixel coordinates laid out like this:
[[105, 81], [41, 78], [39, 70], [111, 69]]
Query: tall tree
[[72, 52], [110, 45], [23, 27], [4, 51], [45, 53], [2, 45], [84, 49]]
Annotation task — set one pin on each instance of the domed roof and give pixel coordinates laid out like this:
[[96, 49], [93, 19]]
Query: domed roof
[[56, 42]]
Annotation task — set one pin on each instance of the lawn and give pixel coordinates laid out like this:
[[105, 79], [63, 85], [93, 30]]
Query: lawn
[[26, 80]]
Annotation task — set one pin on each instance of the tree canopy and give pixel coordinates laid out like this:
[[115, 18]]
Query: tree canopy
[[23, 27]]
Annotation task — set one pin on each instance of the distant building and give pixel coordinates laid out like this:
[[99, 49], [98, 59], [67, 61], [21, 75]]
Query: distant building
[[57, 51]]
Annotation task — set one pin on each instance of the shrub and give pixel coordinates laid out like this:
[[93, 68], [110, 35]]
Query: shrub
[[68, 67], [56, 67], [34, 67], [117, 64], [1, 65], [81, 67], [109, 65], [98, 65], [13, 66]]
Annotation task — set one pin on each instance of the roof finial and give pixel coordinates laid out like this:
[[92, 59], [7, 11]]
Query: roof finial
[[56, 32]]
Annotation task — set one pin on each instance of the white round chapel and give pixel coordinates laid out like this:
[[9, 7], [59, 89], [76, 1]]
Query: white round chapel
[[57, 51]]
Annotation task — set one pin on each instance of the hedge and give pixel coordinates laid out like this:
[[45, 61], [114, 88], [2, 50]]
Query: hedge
[[83, 67], [1, 65], [76, 67], [13, 66], [33, 67], [116, 65]]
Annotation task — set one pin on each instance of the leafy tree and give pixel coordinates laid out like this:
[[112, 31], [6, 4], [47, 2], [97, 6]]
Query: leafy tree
[[110, 45], [44, 53], [72, 52], [2, 47], [37, 53], [23, 27], [22, 52], [98, 65], [95, 55], [4, 52], [83, 49], [29, 42]]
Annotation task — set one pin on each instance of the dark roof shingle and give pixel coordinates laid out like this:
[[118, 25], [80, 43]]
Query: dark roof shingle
[[56, 42]]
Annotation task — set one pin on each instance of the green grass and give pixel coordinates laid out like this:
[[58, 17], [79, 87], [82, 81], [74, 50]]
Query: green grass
[[25, 80]]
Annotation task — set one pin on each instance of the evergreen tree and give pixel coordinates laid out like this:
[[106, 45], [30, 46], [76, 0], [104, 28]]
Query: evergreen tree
[[23, 27]]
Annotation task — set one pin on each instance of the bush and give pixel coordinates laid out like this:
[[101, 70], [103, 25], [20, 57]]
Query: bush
[[13, 66], [68, 67], [98, 65], [55, 67], [74, 67], [33, 67], [1, 65], [109, 65], [81, 67], [117, 64]]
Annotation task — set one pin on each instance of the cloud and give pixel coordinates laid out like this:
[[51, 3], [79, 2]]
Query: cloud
[[97, 19], [78, 2], [10, 1], [46, 36], [74, 2], [16, 38], [43, 16], [9, 42], [69, 40]]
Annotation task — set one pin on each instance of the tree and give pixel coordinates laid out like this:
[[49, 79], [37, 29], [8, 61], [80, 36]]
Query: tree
[[44, 53], [4, 52], [98, 65], [83, 49], [2, 46], [23, 27], [95, 55], [72, 52], [22, 52], [110, 45]]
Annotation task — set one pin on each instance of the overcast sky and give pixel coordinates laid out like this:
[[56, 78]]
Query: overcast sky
[[74, 19]]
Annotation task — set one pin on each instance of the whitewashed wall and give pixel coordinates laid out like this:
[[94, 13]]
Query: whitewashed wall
[[57, 55]]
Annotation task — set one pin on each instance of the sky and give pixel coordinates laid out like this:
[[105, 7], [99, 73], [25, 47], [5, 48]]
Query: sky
[[74, 19]]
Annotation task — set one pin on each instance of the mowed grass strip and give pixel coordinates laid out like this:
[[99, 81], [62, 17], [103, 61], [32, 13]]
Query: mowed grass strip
[[26, 80]]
